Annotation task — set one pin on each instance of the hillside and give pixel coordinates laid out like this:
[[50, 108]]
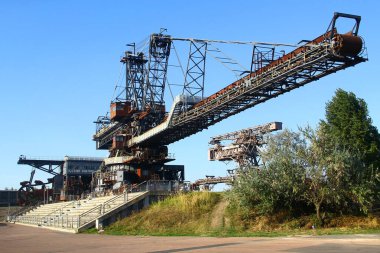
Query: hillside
[[208, 214], [185, 214]]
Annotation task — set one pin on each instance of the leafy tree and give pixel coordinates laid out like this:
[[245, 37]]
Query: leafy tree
[[334, 168], [326, 173], [302, 170], [349, 126], [278, 185], [284, 168]]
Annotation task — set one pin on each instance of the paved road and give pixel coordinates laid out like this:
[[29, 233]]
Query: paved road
[[17, 238]]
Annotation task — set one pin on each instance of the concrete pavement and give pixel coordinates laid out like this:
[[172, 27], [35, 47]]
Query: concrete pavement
[[18, 238]]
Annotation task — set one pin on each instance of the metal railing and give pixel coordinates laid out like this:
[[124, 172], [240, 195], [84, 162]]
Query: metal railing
[[89, 216], [43, 158], [35, 219], [22, 211], [84, 158], [63, 221], [58, 218], [162, 186], [110, 205], [60, 209]]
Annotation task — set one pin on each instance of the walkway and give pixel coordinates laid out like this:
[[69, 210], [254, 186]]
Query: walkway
[[16, 238]]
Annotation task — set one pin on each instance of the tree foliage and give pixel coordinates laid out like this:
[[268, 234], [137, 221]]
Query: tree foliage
[[299, 172], [334, 168], [349, 126], [278, 184], [329, 173]]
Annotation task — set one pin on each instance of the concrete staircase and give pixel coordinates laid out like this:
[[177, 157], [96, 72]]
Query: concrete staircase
[[75, 216]]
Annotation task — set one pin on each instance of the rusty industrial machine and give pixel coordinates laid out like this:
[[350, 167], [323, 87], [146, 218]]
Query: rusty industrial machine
[[139, 128], [71, 178], [244, 147]]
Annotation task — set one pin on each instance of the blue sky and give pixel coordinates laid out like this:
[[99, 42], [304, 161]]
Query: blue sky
[[59, 62]]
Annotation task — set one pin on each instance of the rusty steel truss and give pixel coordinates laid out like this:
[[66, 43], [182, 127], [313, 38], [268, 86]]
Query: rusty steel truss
[[244, 147], [140, 135]]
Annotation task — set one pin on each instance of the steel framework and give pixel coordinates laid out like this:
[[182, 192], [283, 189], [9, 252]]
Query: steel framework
[[244, 147], [135, 74], [51, 166], [293, 70], [210, 181], [159, 52], [195, 73], [47, 165], [273, 72]]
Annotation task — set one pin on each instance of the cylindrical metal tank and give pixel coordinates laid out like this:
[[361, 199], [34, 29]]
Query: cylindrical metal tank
[[347, 45]]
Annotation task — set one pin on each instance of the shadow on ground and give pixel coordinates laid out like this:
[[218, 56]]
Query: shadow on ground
[[334, 247], [195, 248]]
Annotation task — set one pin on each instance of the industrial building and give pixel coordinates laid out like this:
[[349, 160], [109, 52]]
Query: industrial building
[[71, 178], [8, 197]]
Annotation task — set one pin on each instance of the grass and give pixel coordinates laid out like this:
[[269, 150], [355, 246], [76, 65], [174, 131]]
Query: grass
[[184, 214], [208, 214]]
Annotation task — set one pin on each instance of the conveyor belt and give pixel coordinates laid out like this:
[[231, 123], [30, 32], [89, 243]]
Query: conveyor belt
[[295, 69]]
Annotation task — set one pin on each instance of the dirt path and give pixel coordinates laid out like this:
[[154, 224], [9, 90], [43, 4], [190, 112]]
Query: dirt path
[[218, 214]]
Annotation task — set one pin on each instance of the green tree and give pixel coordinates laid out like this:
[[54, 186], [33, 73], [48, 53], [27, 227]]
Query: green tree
[[349, 127], [334, 168], [302, 170], [278, 184], [326, 174], [284, 169]]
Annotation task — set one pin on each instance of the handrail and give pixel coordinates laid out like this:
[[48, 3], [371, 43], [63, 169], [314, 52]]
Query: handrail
[[130, 188], [103, 207], [22, 211], [79, 220], [111, 200], [61, 208], [90, 211]]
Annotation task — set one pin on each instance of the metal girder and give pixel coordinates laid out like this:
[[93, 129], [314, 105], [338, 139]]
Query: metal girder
[[269, 78], [209, 180], [314, 62], [135, 76], [46, 165], [261, 56], [159, 51], [195, 72], [244, 146], [104, 136], [256, 132]]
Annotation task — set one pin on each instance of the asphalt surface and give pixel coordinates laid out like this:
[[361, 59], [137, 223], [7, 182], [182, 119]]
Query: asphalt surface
[[18, 238]]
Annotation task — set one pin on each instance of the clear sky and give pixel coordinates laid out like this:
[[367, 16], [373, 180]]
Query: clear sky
[[59, 62]]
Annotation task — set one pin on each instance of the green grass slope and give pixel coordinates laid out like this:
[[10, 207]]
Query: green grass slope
[[184, 214], [209, 214]]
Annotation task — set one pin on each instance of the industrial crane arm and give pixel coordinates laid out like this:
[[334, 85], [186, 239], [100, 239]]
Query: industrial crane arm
[[303, 65], [322, 56]]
